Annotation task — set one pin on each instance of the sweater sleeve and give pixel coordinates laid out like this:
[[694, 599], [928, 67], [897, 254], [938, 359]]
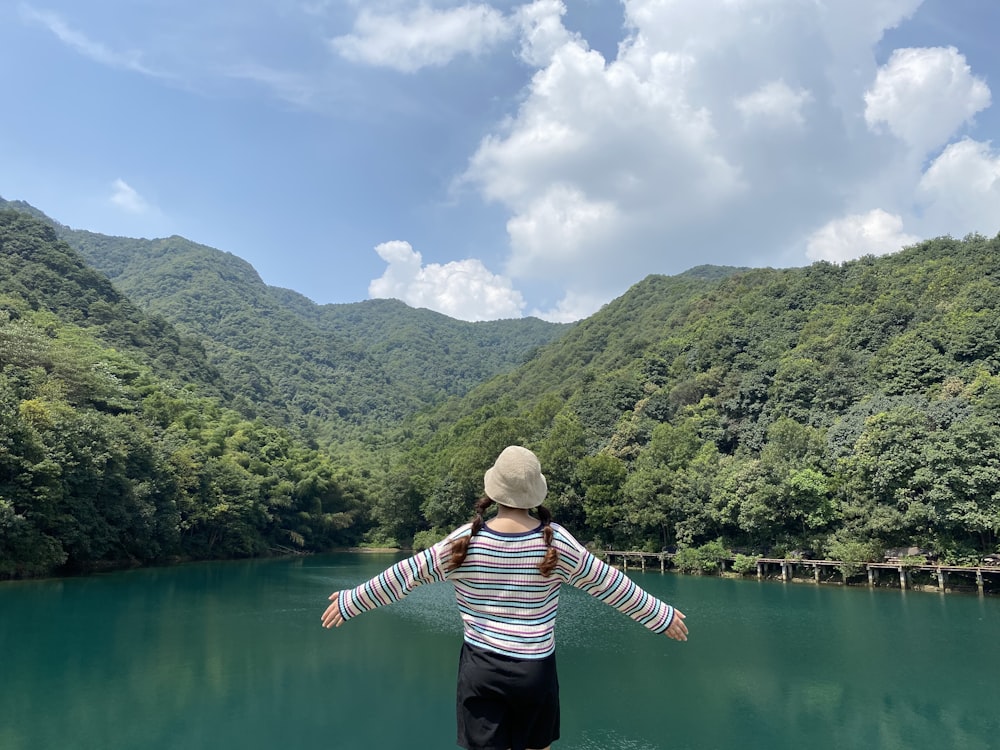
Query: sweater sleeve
[[396, 582], [616, 589]]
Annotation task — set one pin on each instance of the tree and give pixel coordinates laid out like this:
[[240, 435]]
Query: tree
[[665, 494], [886, 478], [601, 478]]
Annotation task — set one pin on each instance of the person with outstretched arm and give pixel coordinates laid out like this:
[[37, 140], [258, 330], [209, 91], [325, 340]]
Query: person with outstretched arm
[[507, 572]]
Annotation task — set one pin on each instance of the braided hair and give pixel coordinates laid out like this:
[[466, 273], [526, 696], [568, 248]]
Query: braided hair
[[460, 546], [551, 559]]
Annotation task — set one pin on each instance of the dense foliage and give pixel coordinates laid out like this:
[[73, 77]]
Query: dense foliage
[[834, 409], [116, 443]]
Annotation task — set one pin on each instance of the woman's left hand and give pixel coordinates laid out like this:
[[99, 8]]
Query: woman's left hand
[[677, 630], [332, 617]]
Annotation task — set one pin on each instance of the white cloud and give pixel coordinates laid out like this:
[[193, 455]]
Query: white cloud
[[422, 38], [775, 104], [962, 188], [874, 233], [924, 95], [542, 31], [598, 152], [464, 289], [695, 24], [126, 198], [555, 227], [85, 46], [722, 132], [612, 169], [572, 307]]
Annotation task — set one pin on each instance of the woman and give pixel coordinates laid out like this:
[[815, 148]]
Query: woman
[[507, 573]]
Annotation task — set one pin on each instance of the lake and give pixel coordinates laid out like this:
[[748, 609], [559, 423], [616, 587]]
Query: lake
[[232, 655]]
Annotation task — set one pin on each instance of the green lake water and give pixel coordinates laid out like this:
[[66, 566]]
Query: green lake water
[[232, 655]]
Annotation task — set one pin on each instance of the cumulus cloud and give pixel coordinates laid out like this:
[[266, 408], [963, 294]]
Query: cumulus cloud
[[923, 96], [715, 132], [615, 168], [874, 233], [572, 307], [962, 187], [554, 228], [542, 31], [464, 289], [775, 104], [422, 38], [600, 149], [729, 129], [125, 197]]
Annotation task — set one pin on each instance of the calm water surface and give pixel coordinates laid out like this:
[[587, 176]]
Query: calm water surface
[[231, 655]]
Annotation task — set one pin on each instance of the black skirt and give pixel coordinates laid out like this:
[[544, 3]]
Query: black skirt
[[504, 702]]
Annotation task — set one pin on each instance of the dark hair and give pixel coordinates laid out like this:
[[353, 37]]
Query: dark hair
[[460, 546], [551, 559]]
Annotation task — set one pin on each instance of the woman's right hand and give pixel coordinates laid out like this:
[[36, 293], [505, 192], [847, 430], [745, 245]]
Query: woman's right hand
[[332, 617]]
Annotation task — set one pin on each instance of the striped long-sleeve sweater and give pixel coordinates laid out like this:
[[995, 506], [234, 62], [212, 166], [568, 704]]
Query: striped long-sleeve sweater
[[507, 606]]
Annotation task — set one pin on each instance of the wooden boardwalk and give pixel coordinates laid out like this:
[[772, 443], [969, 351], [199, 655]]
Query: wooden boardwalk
[[943, 576], [639, 559]]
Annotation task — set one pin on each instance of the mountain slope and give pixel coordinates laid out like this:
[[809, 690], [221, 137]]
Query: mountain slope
[[336, 370], [839, 408], [42, 274], [117, 442]]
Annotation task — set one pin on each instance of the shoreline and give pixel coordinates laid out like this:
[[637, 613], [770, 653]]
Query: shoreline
[[934, 578]]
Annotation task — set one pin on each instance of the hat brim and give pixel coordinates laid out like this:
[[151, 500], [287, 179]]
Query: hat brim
[[499, 492]]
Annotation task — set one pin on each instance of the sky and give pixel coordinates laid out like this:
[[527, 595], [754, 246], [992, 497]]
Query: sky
[[505, 159]]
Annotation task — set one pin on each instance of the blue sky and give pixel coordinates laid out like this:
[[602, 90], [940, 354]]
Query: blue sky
[[495, 160]]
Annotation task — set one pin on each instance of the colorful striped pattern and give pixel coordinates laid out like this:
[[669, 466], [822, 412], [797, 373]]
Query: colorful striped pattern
[[507, 606]]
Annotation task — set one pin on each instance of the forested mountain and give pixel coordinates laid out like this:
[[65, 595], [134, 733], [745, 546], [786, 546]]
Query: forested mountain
[[838, 409], [117, 441], [335, 372]]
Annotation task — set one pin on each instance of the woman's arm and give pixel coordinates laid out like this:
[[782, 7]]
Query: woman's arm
[[614, 588], [391, 584]]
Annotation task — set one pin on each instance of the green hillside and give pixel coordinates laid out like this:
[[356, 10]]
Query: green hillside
[[118, 442], [335, 372], [839, 409], [836, 410]]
